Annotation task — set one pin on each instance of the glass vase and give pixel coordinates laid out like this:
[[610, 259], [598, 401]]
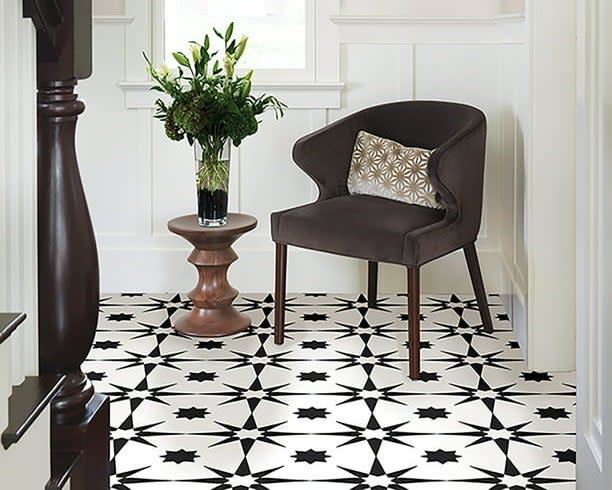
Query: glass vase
[[212, 180]]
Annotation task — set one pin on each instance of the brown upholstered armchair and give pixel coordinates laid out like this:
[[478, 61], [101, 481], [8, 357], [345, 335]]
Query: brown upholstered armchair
[[383, 230]]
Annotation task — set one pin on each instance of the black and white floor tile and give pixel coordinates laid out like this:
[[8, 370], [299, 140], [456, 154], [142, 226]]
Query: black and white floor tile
[[333, 407]]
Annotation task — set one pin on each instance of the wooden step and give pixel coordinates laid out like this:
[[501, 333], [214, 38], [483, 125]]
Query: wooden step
[[62, 467], [27, 402], [8, 323]]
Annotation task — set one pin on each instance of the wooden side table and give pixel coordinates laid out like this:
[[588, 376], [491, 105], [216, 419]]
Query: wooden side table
[[212, 314]]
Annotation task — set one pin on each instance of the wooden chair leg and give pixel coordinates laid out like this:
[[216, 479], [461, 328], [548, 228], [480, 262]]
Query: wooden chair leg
[[471, 258], [414, 315], [279, 293], [372, 283]]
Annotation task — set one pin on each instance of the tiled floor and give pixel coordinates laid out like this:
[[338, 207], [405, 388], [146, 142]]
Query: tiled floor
[[333, 407]]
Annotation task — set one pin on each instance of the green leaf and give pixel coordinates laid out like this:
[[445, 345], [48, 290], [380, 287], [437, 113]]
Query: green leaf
[[246, 89], [217, 33], [241, 47], [206, 42], [229, 31], [181, 59]]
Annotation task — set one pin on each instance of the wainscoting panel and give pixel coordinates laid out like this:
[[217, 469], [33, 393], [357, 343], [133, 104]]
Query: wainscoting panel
[[18, 271], [114, 144], [374, 74], [468, 73], [594, 233], [269, 180], [513, 162]]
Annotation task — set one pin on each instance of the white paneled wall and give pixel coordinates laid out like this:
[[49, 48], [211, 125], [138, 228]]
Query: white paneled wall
[[108, 7], [18, 183], [512, 183], [136, 179], [18, 356], [509, 7], [594, 233]]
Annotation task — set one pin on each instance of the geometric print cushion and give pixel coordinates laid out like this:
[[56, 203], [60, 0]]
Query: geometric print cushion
[[384, 168]]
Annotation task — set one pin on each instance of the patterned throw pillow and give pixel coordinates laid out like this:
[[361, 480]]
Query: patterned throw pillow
[[384, 168]]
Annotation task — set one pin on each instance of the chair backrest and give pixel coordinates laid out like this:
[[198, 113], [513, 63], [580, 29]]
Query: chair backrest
[[457, 132], [423, 124]]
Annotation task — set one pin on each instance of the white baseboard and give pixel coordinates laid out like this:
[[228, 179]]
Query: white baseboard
[[514, 298], [517, 311], [166, 269]]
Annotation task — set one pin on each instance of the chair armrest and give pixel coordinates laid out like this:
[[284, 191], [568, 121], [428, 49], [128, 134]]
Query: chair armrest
[[456, 171], [325, 155]]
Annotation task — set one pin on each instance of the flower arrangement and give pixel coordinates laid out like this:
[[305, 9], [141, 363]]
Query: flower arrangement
[[210, 104]]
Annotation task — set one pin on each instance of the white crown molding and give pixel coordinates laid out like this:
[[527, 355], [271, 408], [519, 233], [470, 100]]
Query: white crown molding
[[113, 19], [356, 27], [297, 95], [357, 18]]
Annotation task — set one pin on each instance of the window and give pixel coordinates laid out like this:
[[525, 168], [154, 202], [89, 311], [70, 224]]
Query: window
[[281, 36]]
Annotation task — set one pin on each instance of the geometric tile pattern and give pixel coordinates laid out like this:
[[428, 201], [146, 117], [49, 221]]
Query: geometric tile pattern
[[332, 408]]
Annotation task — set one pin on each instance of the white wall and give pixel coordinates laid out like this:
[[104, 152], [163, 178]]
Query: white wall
[[508, 7], [108, 7], [136, 180], [594, 232], [551, 190], [18, 184], [18, 355], [513, 182]]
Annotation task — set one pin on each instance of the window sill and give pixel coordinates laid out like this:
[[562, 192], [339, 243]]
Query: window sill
[[297, 95]]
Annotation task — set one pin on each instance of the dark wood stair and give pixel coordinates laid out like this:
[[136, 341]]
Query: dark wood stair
[[62, 468], [27, 402]]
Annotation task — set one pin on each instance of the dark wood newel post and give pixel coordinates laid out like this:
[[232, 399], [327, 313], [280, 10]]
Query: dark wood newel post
[[67, 254], [68, 260]]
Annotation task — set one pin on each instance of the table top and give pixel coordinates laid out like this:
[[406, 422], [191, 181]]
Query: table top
[[236, 224]]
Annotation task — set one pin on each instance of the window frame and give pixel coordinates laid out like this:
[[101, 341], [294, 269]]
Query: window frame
[[307, 74]]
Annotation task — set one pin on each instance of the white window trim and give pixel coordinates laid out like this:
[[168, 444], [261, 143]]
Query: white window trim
[[261, 75], [139, 33], [297, 95]]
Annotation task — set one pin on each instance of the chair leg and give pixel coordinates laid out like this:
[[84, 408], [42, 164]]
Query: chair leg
[[414, 315], [279, 293], [471, 258], [372, 283]]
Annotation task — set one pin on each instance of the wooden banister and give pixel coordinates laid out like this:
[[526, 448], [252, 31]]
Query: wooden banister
[[9, 323], [47, 18]]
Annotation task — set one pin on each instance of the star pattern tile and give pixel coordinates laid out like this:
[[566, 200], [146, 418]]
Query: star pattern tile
[[333, 407]]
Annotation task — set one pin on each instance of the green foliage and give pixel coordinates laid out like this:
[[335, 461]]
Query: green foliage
[[210, 103]]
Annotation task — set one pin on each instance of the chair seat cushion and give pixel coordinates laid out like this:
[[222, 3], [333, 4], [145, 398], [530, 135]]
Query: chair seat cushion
[[360, 226]]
